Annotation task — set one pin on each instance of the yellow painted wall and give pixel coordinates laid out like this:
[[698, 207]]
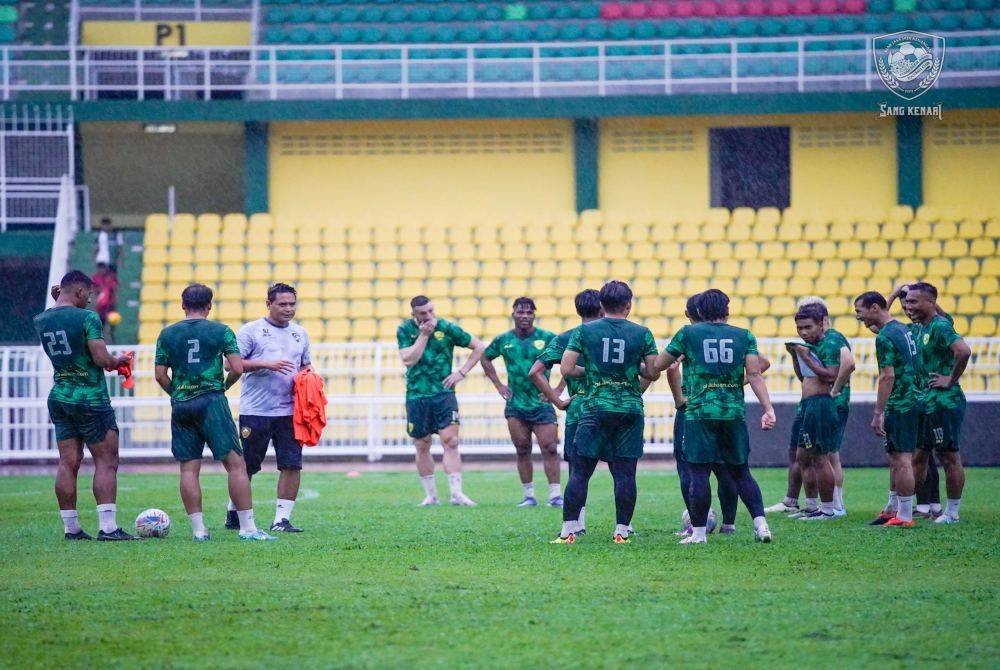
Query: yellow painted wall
[[961, 158], [420, 170], [843, 162], [166, 33]]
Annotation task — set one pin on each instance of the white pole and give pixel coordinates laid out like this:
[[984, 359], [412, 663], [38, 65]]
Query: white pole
[[171, 204]]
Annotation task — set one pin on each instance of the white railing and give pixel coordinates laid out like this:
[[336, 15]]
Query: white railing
[[365, 390], [190, 10], [340, 71]]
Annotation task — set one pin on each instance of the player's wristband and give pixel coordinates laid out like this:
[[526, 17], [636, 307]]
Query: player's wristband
[[461, 373]]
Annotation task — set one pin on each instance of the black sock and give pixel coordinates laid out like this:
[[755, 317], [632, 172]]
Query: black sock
[[575, 496]]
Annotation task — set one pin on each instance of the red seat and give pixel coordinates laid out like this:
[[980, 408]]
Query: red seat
[[730, 8], [706, 8], [612, 11], [754, 8], [854, 6], [661, 10], [684, 8], [780, 8], [636, 10], [826, 7], [802, 7]]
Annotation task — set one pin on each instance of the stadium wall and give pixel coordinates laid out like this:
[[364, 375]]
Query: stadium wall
[[837, 161], [957, 153], [422, 170]]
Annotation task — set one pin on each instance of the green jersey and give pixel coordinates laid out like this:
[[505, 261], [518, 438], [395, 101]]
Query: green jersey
[[714, 363], [424, 379], [518, 355], [934, 356], [576, 386], [610, 352], [828, 349], [64, 333], [193, 349], [896, 348]]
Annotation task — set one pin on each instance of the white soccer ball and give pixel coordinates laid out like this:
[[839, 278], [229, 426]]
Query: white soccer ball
[[712, 523], [152, 523]]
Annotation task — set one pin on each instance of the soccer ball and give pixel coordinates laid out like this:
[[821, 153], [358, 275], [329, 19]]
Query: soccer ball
[[907, 61], [114, 318], [152, 523], [711, 524]]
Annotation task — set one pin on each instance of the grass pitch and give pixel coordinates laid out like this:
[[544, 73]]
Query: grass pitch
[[376, 582]]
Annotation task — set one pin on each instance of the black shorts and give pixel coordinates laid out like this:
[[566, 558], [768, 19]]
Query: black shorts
[[533, 417], [426, 416], [89, 423], [255, 434]]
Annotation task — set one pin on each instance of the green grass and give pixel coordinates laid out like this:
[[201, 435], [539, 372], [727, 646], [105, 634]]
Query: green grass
[[376, 582]]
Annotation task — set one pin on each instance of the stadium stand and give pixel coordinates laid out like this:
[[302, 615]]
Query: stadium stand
[[765, 259]]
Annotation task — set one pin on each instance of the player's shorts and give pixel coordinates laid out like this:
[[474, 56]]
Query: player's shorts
[[793, 442], [679, 435], [89, 423], [255, 434], [838, 440], [820, 424], [902, 430], [607, 435], [716, 441], [426, 416], [533, 417], [203, 420], [568, 449], [941, 429]]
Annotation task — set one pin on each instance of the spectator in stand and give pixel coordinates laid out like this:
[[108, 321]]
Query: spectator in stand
[[106, 300], [110, 244]]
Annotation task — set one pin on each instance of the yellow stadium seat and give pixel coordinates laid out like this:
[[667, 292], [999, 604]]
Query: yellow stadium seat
[[465, 307], [363, 271], [335, 271], [969, 304], [229, 311], [859, 267], [647, 305], [743, 216], [720, 251], [880, 248], [637, 232], [911, 269], [784, 305], [360, 252], [544, 269], [234, 272], [886, 269], [748, 286], [955, 248], [745, 250], [365, 309], [514, 287], [894, 231], [944, 231], [694, 251], [154, 272], [386, 290], [282, 253], [815, 231], [768, 216], [667, 251], [832, 268], [149, 331], [153, 292], [965, 267], [182, 223], [983, 326], [590, 251], [739, 232], [771, 250], [437, 290], [729, 269], [919, 230], [865, 230], [992, 229], [700, 269], [287, 273], [763, 232], [958, 285], [359, 235], [363, 329], [756, 305], [897, 249], [595, 271], [496, 324], [463, 288], [416, 269], [789, 232], [986, 286], [640, 251], [900, 214], [840, 231], [234, 223], [309, 237], [622, 268], [764, 326], [333, 236], [970, 229], [961, 325], [853, 285], [798, 250], [991, 267], [779, 269], [540, 287], [983, 247], [928, 249], [675, 268], [773, 286], [936, 267], [667, 286], [806, 269], [152, 311], [259, 272], [310, 254]]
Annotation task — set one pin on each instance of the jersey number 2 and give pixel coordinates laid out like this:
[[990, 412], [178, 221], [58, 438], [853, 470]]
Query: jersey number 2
[[57, 338], [193, 351], [614, 350]]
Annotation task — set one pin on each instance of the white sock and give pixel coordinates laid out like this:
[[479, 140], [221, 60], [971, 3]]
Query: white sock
[[791, 502], [430, 486], [827, 508], [568, 527], [580, 518], [759, 522], [198, 523], [230, 506], [246, 520], [106, 516], [893, 503], [529, 489], [455, 484], [622, 529], [554, 490], [698, 533], [905, 512], [71, 522], [284, 510], [951, 507], [838, 497], [935, 508], [924, 509], [812, 504]]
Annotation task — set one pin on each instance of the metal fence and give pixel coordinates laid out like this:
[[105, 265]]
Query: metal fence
[[365, 390], [550, 69]]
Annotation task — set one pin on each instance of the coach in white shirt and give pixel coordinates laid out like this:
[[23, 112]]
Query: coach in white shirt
[[274, 350]]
